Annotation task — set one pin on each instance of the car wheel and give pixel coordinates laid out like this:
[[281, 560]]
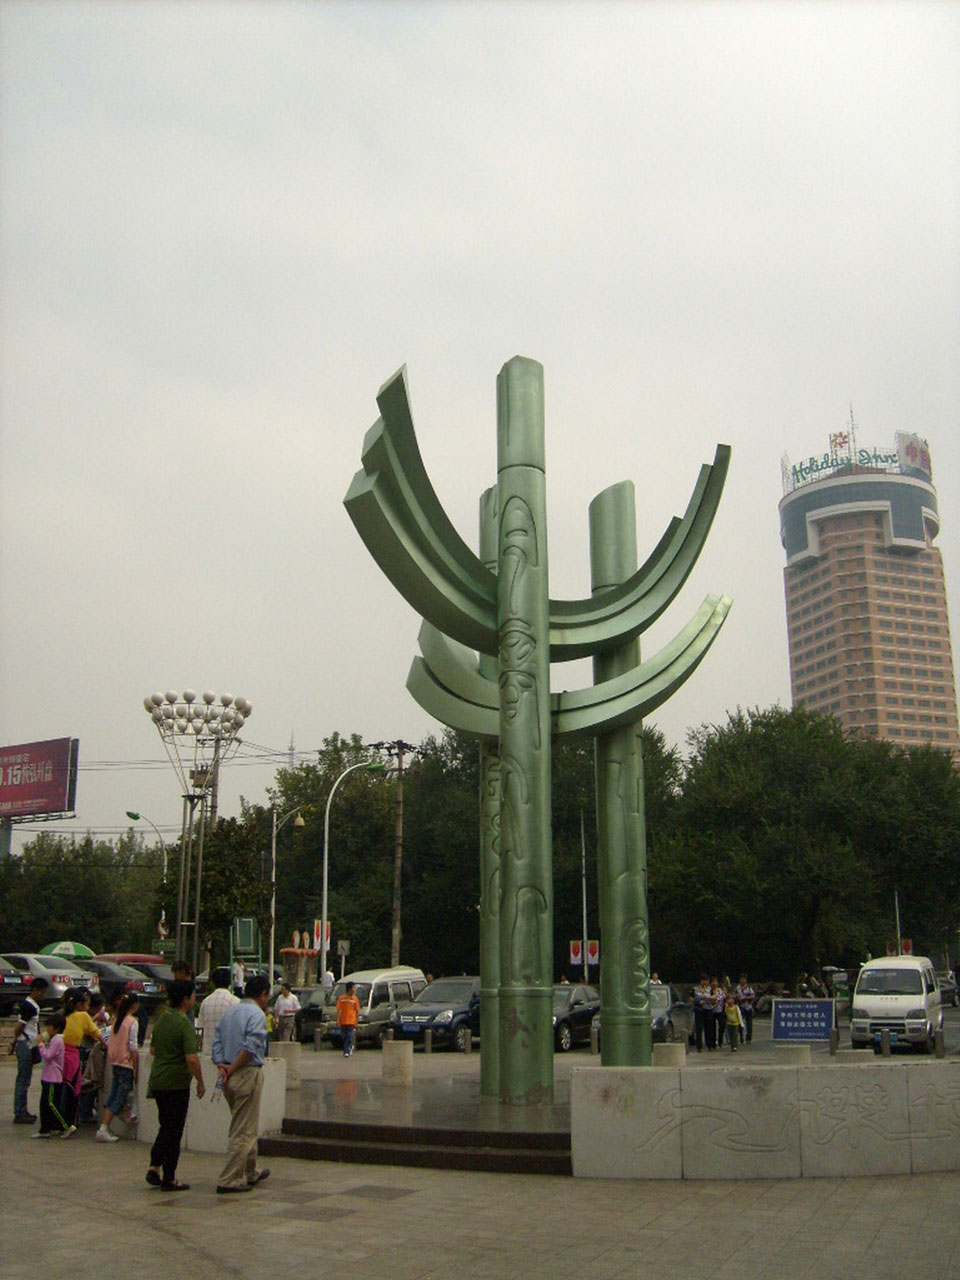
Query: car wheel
[[460, 1035], [564, 1037]]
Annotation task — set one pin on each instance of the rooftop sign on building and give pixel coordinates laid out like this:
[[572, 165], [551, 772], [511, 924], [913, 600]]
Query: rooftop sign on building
[[910, 455]]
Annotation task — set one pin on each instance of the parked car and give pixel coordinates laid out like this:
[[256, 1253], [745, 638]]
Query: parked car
[[948, 987], [574, 1006], [59, 973], [159, 973], [309, 1017], [117, 979], [380, 992], [14, 987], [449, 1008], [899, 995], [671, 1015]]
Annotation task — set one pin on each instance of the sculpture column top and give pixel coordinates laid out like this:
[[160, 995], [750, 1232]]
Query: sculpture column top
[[520, 400]]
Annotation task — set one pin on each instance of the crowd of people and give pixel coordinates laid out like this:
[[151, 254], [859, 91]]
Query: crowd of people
[[723, 1011], [76, 1044]]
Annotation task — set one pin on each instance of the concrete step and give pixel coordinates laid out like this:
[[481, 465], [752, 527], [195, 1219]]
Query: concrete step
[[484, 1150]]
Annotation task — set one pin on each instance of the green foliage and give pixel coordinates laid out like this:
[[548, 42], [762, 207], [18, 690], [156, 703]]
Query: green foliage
[[778, 845]]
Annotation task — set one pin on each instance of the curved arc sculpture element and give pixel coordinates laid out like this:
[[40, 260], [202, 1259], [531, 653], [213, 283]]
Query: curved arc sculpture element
[[400, 519], [448, 685]]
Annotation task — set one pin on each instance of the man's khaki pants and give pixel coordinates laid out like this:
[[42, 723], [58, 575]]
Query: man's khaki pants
[[242, 1092]]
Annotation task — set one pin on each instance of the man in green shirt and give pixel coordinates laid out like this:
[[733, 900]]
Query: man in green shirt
[[175, 1060]]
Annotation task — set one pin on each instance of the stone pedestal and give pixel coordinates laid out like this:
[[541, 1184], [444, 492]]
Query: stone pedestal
[[208, 1120], [793, 1055], [289, 1051], [669, 1055], [318, 1039], [397, 1063]]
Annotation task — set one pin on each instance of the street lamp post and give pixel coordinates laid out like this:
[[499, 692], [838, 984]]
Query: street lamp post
[[372, 766], [275, 827], [139, 817]]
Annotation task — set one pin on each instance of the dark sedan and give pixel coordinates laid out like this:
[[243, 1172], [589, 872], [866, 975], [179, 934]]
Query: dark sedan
[[120, 979], [448, 1008], [14, 987], [671, 1016], [310, 1014], [574, 1006]]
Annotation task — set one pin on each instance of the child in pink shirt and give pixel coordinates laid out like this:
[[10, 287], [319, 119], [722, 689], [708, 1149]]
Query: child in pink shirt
[[52, 1122]]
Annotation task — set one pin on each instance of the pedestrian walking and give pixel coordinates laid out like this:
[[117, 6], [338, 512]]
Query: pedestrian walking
[[348, 1013], [732, 1021], [239, 1048], [124, 1059], [26, 1039], [214, 1006], [746, 999], [285, 1009], [702, 1005], [175, 1061], [80, 1026], [53, 1124]]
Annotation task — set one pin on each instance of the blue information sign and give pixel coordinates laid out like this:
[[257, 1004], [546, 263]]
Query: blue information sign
[[802, 1019]]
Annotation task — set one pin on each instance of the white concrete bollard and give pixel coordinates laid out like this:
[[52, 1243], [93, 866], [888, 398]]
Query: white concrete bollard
[[397, 1063], [793, 1054], [669, 1055], [289, 1052]]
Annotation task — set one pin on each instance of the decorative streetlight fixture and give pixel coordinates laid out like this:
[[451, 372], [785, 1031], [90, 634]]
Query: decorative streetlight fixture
[[372, 766], [298, 823], [198, 735]]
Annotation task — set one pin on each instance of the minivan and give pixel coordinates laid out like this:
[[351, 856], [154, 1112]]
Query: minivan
[[898, 994], [380, 992]]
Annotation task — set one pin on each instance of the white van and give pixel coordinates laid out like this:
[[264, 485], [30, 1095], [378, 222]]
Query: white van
[[380, 992], [899, 994]]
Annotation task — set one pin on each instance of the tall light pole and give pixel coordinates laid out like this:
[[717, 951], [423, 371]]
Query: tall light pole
[[396, 749], [139, 817], [372, 766], [275, 827], [198, 735]]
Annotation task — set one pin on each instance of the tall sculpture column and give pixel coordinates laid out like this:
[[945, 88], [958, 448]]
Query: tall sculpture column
[[621, 832], [489, 847], [523, 624]]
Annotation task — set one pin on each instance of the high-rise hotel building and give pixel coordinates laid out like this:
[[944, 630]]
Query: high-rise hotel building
[[867, 622]]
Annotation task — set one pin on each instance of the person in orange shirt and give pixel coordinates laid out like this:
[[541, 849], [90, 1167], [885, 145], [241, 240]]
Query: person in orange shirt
[[348, 1011]]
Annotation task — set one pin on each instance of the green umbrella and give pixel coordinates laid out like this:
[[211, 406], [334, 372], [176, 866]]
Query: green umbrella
[[72, 950]]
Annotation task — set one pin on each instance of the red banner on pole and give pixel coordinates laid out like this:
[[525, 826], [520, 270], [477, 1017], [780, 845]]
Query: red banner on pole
[[576, 952]]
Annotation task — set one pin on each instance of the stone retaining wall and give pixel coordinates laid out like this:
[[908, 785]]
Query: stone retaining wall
[[880, 1116]]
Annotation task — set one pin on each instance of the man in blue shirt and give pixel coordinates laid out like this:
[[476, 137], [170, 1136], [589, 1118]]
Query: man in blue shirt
[[239, 1048]]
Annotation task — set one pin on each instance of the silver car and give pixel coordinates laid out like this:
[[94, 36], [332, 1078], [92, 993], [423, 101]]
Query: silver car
[[59, 972]]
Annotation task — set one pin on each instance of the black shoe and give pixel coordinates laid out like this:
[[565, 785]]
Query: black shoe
[[229, 1191], [174, 1186], [260, 1176], [24, 1118], [153, 1178]]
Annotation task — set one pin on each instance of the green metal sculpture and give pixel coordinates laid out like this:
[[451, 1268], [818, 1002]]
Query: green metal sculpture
[[497, 606]]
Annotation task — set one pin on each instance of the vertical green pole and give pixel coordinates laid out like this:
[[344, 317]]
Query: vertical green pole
[[489, 849], [621, 833], [523, 619]]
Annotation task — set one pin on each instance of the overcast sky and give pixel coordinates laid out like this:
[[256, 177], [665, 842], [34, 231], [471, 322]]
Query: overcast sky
[[223, 226]]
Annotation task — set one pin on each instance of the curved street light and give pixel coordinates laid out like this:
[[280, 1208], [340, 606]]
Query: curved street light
[[139, 817], [276, 826], [372, 766]]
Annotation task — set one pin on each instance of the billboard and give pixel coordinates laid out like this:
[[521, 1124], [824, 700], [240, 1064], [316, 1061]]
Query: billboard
[[38, 778]]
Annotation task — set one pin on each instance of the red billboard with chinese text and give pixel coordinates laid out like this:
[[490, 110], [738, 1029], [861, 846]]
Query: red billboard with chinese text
[[38, 778]]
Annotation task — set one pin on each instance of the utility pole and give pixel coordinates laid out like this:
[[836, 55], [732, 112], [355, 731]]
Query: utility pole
[[396, 750]]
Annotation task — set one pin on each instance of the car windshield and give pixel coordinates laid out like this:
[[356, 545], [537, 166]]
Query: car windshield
[[60, 963], [890, 982], [361, 991], [446, 991]]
